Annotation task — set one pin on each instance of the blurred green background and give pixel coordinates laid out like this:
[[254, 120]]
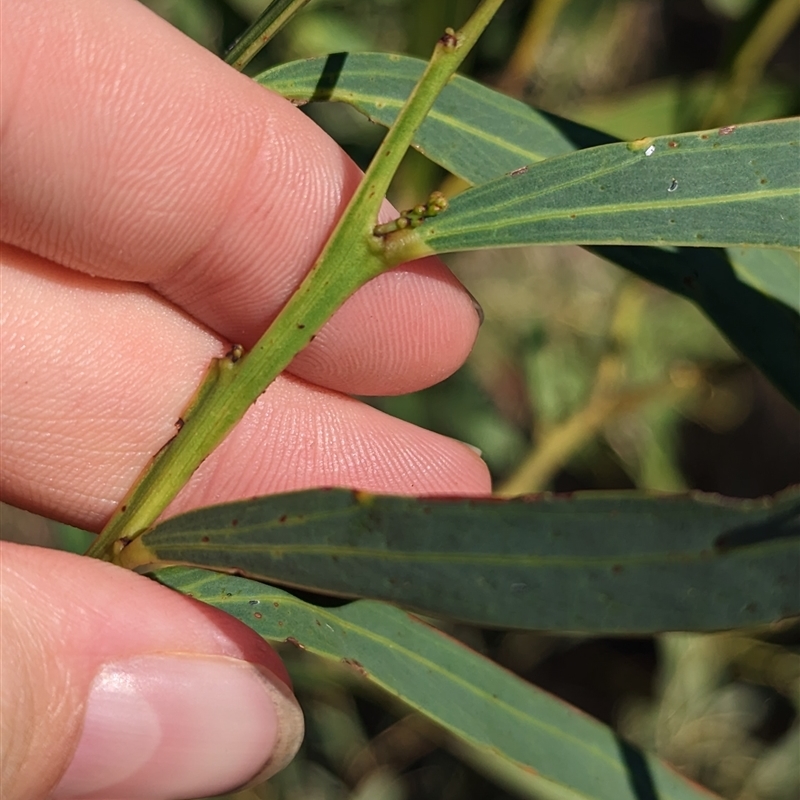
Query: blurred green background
[[583, 377]]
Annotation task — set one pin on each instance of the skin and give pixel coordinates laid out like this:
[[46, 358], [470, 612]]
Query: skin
[[156, 206]]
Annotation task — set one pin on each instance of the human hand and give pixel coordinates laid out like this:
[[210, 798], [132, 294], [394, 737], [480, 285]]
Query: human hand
[[156, 206]]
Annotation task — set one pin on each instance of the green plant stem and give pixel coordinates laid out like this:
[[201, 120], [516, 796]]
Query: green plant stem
[[232, 386], [272, 19], [449, 53], [775, 24], [352, 256]]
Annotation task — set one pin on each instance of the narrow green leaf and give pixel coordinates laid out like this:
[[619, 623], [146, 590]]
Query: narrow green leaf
[[271, 20], [472, 131], [543, 740], [738, 186], [612, 564]]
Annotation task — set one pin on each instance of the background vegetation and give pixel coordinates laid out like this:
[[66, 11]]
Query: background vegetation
[[583, 377]]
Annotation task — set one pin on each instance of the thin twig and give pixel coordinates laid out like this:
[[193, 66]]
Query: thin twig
[[271, 20], [775, 24]]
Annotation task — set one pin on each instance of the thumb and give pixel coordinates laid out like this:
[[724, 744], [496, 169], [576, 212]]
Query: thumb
[[113, 686]]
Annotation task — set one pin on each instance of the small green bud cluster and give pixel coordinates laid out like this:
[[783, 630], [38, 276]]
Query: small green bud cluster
[[414, 217]]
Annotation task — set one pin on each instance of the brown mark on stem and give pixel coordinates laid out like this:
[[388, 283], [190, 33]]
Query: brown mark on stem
[[449, 39], [235, 353]]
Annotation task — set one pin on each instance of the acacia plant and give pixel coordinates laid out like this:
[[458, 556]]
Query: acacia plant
[[711, 215]]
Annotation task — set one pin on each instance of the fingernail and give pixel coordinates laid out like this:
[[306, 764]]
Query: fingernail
[[477, 306], [166, 726], [478, 452]]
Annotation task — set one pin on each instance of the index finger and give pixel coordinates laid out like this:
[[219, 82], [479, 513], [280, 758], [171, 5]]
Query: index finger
[[130, 152]]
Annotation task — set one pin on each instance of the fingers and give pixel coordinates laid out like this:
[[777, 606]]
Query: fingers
[[95, 374], [300, 436], [127, 688], [140, 156]]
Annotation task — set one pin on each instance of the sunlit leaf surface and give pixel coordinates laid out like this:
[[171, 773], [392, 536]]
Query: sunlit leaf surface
[[472, 131], [545, 743], [734, 186]]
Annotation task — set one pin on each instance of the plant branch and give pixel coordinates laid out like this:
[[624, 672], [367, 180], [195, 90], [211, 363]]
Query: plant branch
[[352, 256], [448, 55], [536, 32], [558, 446], [776, 23], [272, 19]]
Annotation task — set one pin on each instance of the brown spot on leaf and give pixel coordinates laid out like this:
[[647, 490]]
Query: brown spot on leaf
[[351, 662]]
